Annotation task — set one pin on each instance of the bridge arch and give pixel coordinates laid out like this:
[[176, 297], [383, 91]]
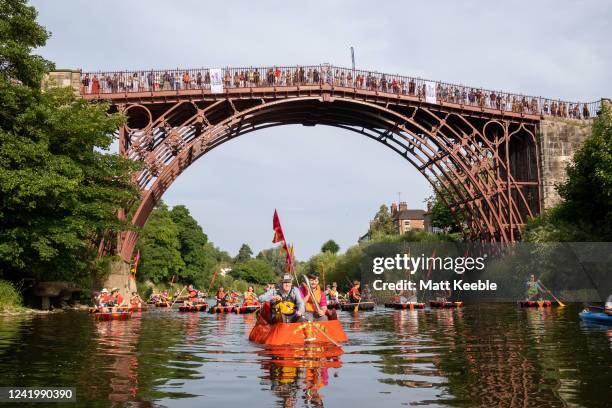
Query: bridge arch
[[467, 158]]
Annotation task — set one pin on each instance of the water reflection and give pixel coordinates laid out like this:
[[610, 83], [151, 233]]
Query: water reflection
[[485, 355], [297, 374]]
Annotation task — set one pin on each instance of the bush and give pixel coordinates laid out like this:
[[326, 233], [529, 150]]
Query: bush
[[10, 298]]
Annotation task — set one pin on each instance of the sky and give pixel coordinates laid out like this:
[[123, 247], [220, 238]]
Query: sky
[[328, 183]]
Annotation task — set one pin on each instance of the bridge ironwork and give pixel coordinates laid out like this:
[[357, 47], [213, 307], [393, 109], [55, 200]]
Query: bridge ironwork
[[478, 148]]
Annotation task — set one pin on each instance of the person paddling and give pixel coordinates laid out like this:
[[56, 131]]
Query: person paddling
[[192, 296], [115, 298], [136, 301], [533, 288], [285, 304], [250, 299], [353, 294], [312, 311], [221, 296]]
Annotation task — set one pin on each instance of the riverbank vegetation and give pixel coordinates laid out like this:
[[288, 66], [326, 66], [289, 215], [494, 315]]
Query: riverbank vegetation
[[10, 298], [61, 187]]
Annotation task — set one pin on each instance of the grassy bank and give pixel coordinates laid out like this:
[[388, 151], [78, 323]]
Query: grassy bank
[[10, 298]]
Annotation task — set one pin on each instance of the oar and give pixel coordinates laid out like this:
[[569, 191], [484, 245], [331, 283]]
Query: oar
[[356, 309], [178, 296], [551, 294], [325, 334]]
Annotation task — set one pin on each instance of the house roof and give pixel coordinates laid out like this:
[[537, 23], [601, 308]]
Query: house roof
[[409, 215]]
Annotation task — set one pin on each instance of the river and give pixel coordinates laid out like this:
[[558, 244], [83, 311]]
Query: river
[[480, 356]]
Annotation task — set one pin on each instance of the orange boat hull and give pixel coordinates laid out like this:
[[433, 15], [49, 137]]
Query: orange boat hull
[[297, 333]]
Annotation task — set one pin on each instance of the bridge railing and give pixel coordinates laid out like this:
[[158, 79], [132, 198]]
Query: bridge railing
[[112, 82]]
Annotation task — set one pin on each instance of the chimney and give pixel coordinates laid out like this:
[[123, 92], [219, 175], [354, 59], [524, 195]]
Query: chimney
[[403, 206], [393, 208]]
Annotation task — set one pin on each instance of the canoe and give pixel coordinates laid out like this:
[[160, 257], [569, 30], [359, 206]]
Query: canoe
[[200, 307], [246, 309], [596, 317], [103, 316], [436, 304], [534, 303], [409, 306], [278, 334], [362, 306], [221, 309]]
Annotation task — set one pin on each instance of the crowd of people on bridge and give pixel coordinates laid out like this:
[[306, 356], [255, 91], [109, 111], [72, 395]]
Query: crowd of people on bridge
[[175, 80]]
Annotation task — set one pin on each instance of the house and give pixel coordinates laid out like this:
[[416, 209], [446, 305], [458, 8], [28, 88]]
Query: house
[[406, 219]]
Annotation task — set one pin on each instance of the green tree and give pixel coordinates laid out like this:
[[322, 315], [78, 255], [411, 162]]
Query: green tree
[[275, 258], [254, 271], [60, 187], [192, 242], [160, 247], [330, 246], [244, 254], [382, 224]]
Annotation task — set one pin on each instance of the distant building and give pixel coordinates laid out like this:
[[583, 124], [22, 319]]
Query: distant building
[[406, 219]]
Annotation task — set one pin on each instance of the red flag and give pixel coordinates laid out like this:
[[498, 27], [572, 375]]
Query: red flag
[[278, 230]]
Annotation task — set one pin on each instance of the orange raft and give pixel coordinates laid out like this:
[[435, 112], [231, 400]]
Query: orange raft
[[534, 303], [278, 334], [198, 307], [244, 309], [437, 304], [103, 316]]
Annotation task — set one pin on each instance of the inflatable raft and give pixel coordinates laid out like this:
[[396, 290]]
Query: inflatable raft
[[409, 306], [362, 306], [246, 309], [104, 316], [279, 334], [200, 307], [437, 304], [534, 303], [221, 309], [596, 317]]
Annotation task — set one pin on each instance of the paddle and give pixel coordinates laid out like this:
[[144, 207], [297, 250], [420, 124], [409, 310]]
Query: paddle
[[356, 309], [324, 334], [179, 295], [561, 304]]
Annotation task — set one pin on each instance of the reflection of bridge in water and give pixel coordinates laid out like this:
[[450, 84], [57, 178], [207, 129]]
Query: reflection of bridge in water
[[490, 155]]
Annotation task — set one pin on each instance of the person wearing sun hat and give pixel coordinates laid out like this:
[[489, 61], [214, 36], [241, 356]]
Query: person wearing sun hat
[[285, 303]]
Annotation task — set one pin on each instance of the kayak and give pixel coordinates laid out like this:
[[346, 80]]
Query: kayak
[[278, 334], [437, 304], [596, 317], [362, 306], [221, 309], [103, 316], [200, 307], [246, 309], [410, 305], [534, 303]]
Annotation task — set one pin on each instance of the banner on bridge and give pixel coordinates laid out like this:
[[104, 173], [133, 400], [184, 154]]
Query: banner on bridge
[[216, 81], [430, 92]]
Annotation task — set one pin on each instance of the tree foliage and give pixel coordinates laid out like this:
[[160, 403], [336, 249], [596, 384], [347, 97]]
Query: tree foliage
[[244, 254], [330, 246], [60, 187], [254, 271], [382, 224]]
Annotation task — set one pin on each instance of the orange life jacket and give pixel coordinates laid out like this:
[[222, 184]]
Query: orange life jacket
[[310, 307]]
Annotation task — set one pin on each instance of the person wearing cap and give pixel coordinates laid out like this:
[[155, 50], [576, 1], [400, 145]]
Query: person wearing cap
[[353, 294], [116, 298], [314, 311], [288, 295], [192, 296], [102, 298]]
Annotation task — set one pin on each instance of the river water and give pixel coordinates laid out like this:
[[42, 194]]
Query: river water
[[480, 356]]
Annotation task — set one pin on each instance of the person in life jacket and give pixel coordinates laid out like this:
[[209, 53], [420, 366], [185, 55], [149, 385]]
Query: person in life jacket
[[115, 298], [103, 298], [136, 301], [286, 302], [192, 296], [314, 311], [367, 294], [353, 294], [533, 288], [250, 298], [221, 296]]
